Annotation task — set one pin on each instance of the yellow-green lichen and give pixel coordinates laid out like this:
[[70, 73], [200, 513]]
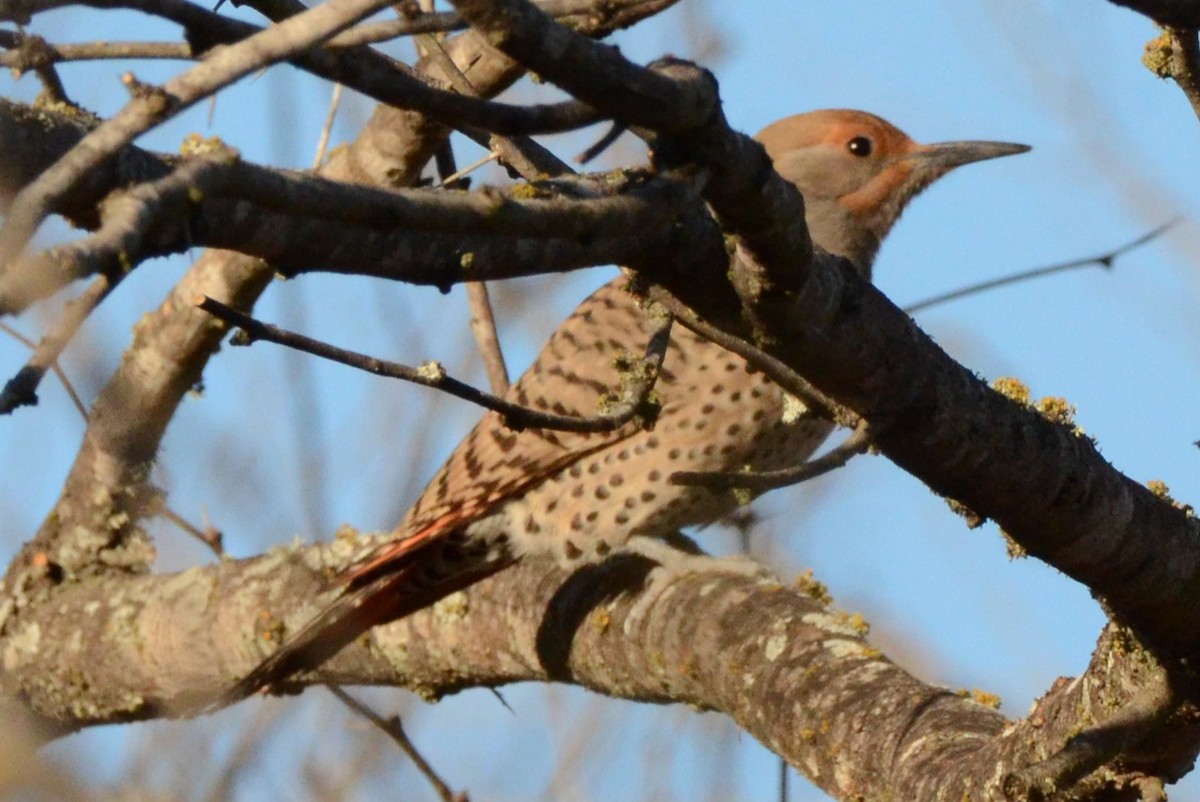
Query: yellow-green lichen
[[807, 584], [1160, 489], [1158, 56]]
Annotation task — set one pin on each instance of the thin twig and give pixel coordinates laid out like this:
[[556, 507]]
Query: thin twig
[[483, 319], [210, 536], [631, 402], [1104, 260], [392, 727], [470, 168], [335, 100], [21, 389], [54, 366], [21, 58], [762, 481], [602, 144], [487, 339], [527, 157]]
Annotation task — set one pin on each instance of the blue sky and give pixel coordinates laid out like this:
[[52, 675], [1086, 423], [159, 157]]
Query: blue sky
[[1114, 155]]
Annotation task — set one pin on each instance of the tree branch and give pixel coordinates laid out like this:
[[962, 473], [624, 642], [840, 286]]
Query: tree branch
[[631, 402], [796, 675], [1044, 483]]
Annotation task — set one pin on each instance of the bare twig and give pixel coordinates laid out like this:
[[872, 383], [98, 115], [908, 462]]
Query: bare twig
[[210, 536], [483, 320], [35, 54], [602, 144], [630, 403], [392, 727], [335, 99], [470, 168], [21, 389], [483, 326], [762, 481], [22, 58], [54, 366], [1104, 260]]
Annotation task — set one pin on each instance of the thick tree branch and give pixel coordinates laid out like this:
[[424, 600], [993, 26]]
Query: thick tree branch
[[1176, 13], [302, 222], [1040, 480], [798, 676]]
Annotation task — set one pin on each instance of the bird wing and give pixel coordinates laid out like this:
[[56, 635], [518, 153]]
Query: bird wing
[[574, 370]]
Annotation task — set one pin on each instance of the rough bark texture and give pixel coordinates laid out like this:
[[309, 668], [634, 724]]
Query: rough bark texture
[[89, 637]]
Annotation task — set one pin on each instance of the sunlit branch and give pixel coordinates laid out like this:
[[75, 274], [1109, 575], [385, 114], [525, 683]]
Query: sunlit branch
[[631, 402]]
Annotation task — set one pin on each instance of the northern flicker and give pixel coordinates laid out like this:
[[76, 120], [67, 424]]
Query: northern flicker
[[505, 494]]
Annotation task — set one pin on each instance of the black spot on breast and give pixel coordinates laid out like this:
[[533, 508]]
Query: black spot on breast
[[602, 492], [503, 438]]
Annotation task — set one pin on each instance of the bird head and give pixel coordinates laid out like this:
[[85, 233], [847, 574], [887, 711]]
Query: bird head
[[858, 171]]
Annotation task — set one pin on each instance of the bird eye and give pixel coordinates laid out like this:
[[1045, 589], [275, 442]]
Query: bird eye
[[860, 146]]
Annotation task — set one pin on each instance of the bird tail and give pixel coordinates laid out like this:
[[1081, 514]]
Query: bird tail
[[396, 580]]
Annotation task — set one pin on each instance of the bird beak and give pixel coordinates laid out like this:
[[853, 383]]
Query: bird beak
[[945, 156]]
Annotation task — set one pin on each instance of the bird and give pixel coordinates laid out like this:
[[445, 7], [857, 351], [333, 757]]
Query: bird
[[503, 495]]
